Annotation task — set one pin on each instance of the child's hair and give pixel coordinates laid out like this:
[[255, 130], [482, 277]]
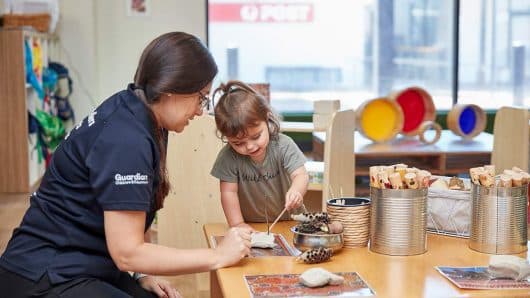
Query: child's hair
[[241, 107]]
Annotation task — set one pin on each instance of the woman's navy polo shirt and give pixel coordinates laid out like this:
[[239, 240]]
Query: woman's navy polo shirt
[[109, 161]]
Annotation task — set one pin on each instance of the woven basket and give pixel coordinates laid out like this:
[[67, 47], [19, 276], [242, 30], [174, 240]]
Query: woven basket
[[40, 21], [354, 214]]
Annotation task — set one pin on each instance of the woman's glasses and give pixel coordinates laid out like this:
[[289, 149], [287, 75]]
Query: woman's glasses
[[204, 101]]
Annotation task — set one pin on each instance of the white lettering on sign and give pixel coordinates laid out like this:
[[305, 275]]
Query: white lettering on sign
[[261, 12], [249, 13], [284, 13]]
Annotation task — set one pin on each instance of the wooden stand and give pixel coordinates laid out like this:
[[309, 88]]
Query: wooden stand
[[194, 198], [339, 164]]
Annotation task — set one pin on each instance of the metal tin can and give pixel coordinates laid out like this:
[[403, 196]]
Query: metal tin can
[[398, 221], [499, 219]]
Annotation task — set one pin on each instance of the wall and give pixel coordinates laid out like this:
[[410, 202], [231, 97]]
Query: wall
[[102, 45], [121, 39], [77, 40]]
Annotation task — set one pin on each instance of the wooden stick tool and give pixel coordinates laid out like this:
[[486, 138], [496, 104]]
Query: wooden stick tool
[[278, 218], [266, 214]]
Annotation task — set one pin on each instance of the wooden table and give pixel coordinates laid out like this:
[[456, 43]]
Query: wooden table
[[388, 276]]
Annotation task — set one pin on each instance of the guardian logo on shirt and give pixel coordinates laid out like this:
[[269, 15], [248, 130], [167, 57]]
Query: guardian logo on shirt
[[138, 178]]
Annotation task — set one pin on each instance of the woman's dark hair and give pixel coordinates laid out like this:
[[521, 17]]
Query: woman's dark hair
[[178, 63], [240, 107]]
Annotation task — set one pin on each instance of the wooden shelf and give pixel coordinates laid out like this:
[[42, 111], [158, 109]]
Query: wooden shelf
[[297, 127], [450, 156]]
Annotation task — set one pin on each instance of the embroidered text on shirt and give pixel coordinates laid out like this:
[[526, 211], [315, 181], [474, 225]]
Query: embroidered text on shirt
[[138, 178]]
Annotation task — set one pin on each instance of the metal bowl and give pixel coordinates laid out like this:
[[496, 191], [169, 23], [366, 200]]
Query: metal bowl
[[304, 241]]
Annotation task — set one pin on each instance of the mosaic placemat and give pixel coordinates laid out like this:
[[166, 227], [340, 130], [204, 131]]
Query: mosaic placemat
[[479, 278], [288, 285]]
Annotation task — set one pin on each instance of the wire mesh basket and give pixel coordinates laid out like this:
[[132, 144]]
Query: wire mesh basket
[[449, 212]]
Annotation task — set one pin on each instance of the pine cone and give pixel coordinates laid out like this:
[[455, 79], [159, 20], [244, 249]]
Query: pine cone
[[312, 227], [315, 255], [311, 216]]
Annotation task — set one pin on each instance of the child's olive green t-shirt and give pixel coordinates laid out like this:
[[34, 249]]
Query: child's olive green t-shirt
[[256, 181]]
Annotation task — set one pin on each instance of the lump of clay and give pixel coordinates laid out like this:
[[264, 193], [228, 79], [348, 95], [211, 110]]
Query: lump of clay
[[318, 277], [503, 266], [262, 240]]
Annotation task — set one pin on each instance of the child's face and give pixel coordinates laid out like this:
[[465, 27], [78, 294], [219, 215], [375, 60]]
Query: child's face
[[254, 143]]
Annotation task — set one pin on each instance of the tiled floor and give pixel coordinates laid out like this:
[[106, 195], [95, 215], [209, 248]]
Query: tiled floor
[[12, 209]]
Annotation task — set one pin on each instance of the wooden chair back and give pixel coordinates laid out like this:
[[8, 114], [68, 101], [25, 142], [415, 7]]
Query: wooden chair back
[[511, 139], [339, 160]]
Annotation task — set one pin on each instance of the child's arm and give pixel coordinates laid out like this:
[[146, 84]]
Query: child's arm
[[230, 203], [299, 182]]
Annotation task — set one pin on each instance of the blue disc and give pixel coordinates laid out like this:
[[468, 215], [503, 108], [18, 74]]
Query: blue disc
[[467, 120]]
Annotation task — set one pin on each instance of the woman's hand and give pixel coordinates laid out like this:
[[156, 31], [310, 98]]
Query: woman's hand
[[245, 226], [234, 247], [293, 199], [161, 287]]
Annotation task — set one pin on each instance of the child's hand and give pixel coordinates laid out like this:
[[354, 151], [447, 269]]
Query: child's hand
[[293, 199]]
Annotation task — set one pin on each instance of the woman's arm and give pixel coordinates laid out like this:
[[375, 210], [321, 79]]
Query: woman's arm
[[230, 203], [299, 182], [124, 232]]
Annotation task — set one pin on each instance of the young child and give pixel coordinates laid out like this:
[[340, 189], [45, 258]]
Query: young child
[[260, 170]]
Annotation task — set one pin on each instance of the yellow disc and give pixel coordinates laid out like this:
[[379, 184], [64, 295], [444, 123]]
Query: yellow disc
[[379, 120]]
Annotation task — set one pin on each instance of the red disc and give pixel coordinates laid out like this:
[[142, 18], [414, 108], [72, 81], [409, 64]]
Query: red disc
[[411, 103]]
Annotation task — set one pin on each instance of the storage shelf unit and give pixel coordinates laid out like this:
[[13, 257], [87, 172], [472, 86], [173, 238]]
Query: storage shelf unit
[[20, 168]]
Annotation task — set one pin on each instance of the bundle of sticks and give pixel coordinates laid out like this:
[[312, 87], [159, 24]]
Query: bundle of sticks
[[398, 176], [485, 176]]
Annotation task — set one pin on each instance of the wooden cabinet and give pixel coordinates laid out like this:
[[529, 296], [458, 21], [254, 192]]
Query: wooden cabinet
[[20, 167]]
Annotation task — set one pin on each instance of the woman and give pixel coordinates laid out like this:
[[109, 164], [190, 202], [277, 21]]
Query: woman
[[84, 229]]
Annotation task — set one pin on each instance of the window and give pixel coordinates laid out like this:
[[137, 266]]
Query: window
[[495, 53], [358, 50]]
